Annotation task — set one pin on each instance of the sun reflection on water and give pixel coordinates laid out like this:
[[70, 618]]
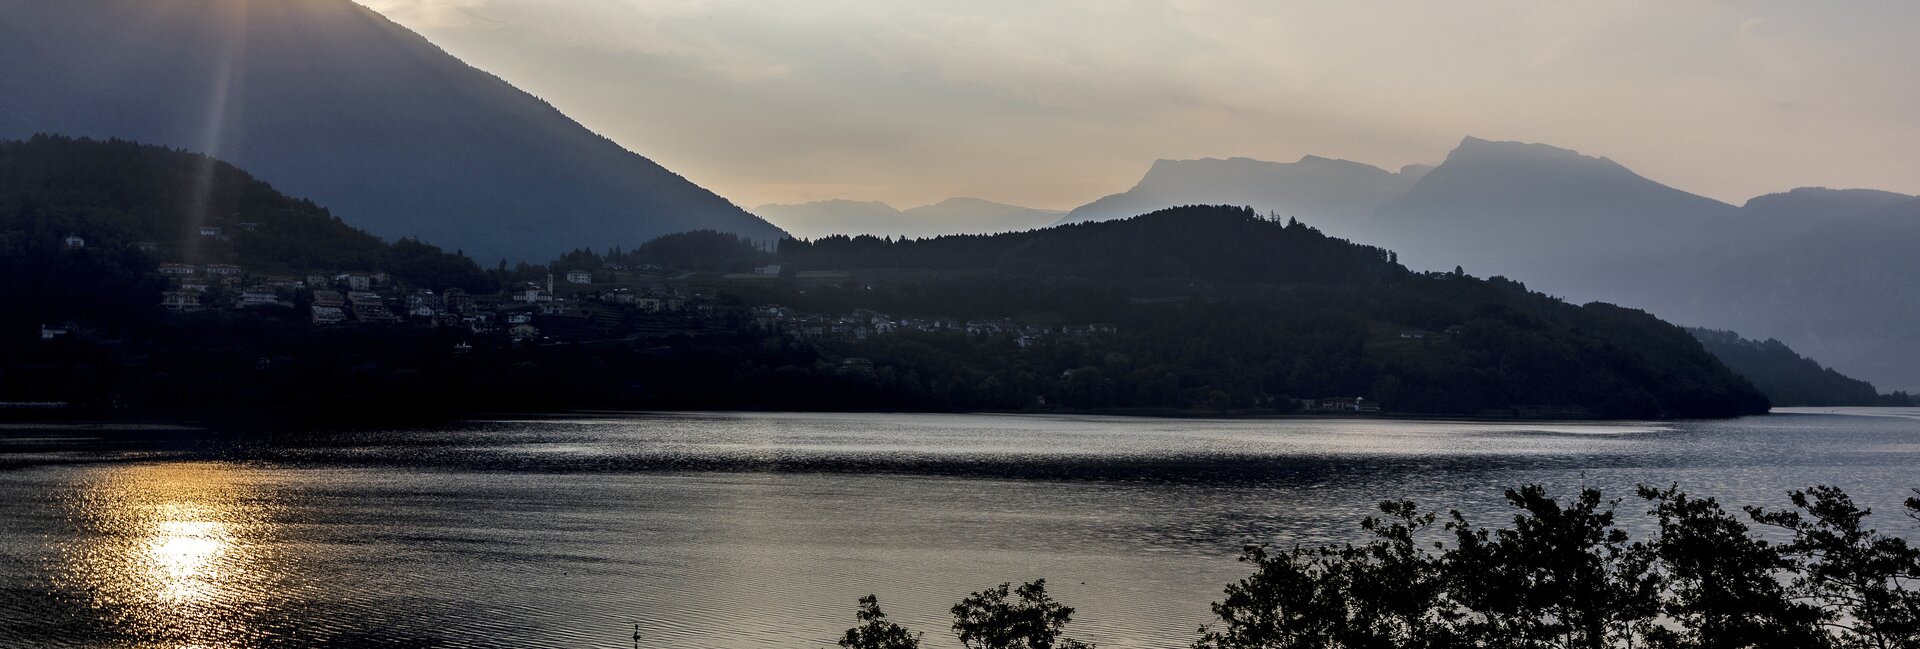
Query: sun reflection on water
[[177, 554]]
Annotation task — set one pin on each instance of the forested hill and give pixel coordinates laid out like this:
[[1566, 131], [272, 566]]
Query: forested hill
[[1250, 309], [1216, 243], [135, 206], [1790, 379]]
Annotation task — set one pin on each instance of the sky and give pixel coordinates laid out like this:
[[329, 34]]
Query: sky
[[1053, 103]]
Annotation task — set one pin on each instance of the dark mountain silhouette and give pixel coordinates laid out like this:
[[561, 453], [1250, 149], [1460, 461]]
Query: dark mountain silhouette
[[1330, 192], [1265, 307], [1789, 379], [328, 100], [951, 216]]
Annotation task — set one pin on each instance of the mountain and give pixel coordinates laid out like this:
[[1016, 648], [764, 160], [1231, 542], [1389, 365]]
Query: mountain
[[1775, 219], [951, 216], [1844, 292], [1329, 192], [329, 100], [1827, 271], [1569, 223], [1789, 379]]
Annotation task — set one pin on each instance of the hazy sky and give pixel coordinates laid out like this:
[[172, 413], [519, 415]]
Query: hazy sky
[[1055, 103]]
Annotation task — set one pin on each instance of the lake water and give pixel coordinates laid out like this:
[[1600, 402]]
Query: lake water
[[761, 530]]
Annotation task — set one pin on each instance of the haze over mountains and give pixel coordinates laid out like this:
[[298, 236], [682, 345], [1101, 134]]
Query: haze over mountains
[[951, 216], [329, 100], [1830, 272]]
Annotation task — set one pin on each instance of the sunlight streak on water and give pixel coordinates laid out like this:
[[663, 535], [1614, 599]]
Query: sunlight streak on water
[[176, 552]]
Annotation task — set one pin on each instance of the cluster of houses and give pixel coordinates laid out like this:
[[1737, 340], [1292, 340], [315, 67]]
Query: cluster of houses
[[866, 323], [374, 298], [535, 310], [221, 286]]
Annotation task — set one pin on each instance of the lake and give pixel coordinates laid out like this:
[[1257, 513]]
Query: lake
[[724, 530]]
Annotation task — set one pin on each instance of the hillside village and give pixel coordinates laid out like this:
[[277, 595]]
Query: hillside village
[[618, 302]]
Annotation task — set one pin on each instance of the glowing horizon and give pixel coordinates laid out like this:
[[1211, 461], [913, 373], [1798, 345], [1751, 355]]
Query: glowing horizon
[[1053, 105]]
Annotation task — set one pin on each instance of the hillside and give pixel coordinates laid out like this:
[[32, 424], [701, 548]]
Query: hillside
[[134, 206], [330, 101], [1222, 299], [1789, 379], [950, 216]]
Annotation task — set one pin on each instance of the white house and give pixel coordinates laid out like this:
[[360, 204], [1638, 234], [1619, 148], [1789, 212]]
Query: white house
[[579, 277], [74, 241]]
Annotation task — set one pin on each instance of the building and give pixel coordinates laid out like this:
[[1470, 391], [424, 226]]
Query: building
[[331, 298], [50, 332], [424, 299], [223, 270], [180, 301], [457, 301], [822, 278], [579, 277], [328, 315], [1348, 404], [260, 296], [178, 270], [74, 241], [356, 282], [523, 331], [210, 231]]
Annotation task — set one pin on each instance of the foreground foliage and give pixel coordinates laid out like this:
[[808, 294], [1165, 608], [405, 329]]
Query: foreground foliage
[[1564, 574], [1002, 617]]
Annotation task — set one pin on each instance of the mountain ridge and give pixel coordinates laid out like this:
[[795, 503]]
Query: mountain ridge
[[330, 100], [1589, 227], [955, 215]]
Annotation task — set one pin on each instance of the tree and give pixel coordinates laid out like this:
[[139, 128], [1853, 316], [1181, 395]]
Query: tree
[[1724, 587], [1560, 577], [876, 631], [1867, 583], [995, 619]]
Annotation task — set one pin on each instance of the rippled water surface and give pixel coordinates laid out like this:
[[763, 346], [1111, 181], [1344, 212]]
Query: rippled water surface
[[760, 530]]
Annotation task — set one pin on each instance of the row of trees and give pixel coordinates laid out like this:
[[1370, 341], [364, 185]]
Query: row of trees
[[1563, 575]]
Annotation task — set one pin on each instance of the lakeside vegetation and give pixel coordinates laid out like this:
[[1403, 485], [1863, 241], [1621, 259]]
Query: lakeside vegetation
[[1564, 574]]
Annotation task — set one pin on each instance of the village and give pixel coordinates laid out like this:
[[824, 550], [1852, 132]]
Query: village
[[617, 303]]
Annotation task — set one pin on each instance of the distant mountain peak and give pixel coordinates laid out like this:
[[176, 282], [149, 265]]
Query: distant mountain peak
[[1827, 193], [827, 203], [1473, 149]]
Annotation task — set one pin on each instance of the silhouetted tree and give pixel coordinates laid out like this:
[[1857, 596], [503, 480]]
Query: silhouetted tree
[[1020, 618], [876, 631]]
